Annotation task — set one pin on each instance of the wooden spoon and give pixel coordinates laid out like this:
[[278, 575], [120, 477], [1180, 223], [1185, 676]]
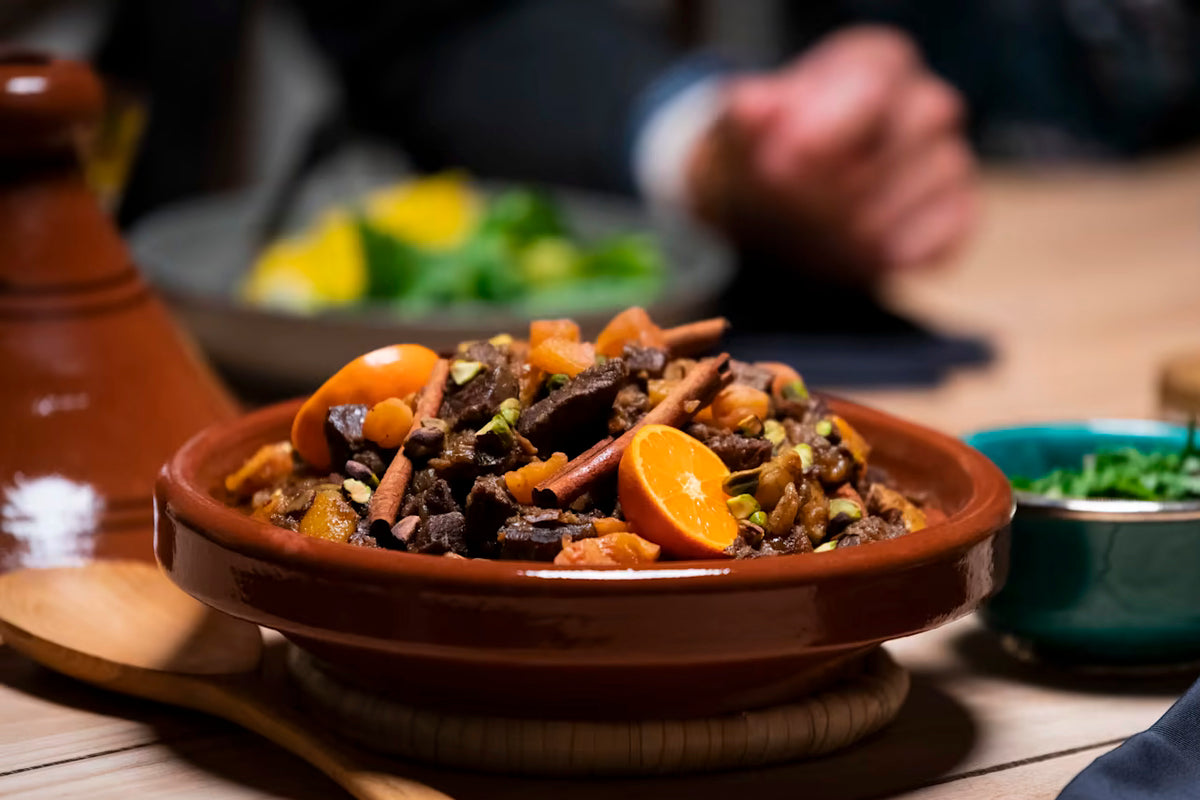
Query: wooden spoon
[[123, 626]]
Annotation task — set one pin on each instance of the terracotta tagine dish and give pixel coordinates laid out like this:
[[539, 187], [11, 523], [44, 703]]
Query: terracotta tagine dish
[[99, 387], [673, 639]]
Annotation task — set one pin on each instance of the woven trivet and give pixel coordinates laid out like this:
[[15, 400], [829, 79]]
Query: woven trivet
[[819, 724]]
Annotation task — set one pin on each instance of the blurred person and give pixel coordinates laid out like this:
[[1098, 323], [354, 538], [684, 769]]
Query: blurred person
[[849, 159]]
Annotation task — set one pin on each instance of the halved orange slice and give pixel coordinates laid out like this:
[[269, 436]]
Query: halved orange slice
[[670, 489]]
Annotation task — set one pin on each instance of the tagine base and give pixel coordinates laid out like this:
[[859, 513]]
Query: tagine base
[[1033, 652], [821, 723]]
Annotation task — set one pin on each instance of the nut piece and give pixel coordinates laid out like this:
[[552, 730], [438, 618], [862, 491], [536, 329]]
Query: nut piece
[[742, 506], [463, 371]]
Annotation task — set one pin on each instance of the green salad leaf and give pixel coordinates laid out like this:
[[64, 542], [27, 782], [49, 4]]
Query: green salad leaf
[[1125, 474], [522, 251]]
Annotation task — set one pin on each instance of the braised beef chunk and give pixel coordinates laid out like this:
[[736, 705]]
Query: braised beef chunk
[[750, 543], [473, 403], [644, 362], [750, 375], [362, 534], [489, 504], [538, 536], [628, 408], [737, 451], [573, 417], [873, 529], [440, 534], [429, 495], [344, 432], [457, 459]]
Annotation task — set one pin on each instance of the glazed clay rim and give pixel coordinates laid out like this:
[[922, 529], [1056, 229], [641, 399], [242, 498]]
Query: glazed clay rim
[[988, 509]]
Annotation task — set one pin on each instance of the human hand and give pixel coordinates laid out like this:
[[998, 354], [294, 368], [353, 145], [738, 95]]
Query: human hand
[[851, 159]]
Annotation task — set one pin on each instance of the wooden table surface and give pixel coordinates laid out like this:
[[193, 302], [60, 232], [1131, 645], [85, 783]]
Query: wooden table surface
[[1083, 282]]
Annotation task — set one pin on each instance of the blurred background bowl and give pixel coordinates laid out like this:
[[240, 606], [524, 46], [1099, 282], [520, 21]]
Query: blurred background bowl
[[1096, 583], [197, 252]]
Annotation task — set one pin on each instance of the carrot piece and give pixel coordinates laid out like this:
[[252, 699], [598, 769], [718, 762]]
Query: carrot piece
[[631, 326], [542, 329], [562, 356]]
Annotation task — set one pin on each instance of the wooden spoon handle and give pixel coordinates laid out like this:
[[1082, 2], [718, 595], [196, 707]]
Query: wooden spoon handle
[[239, 702]]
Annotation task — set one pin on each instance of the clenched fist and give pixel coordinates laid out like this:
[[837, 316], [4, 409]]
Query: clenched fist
[[851, 159]]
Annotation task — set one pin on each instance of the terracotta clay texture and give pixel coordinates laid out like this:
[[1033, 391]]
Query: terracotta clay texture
[[675, 639], [98, 386]]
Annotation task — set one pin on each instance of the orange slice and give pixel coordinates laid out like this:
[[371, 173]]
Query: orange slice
[[670, 489]]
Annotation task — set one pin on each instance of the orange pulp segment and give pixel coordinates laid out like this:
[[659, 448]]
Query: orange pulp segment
[[670, 490]]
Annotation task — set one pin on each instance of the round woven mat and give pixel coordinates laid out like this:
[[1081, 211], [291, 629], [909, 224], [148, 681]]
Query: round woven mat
[[816, 725]]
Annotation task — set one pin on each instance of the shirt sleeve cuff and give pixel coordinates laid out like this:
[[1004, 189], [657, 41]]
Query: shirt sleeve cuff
[[677, 109]]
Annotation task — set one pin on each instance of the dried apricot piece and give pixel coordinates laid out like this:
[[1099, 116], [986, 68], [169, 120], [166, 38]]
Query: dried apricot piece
[[631, 326], [270, 464], [736, 402], [520, 482], [618, 549], [329, 517], [561, 356], [387, 423], [542, 329]]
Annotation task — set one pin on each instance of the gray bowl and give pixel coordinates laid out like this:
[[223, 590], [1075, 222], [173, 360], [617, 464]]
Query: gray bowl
[[195, 253]]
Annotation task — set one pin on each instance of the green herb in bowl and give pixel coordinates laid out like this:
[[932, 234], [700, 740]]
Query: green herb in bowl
[[1125, 474]]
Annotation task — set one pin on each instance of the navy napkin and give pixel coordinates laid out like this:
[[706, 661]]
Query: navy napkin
[[1162, 763]]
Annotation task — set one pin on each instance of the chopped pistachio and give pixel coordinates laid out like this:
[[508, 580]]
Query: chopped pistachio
[[805, 452], [758, 518], [510, 409], [774, 432], [825, 548], [743, 482], [795, 390], [840, 506], [823, 427], [498, 427], [557, 381], [742, 506], [358, 491], [463, 371], [501, 340], [751, 426], [361, 472]]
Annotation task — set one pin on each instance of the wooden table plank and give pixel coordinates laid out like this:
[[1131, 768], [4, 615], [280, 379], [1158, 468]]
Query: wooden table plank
[[1082, 281], [1042, 779]]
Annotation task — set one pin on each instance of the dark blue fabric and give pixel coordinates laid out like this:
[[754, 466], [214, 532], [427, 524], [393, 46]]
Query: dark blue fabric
[[1162, 763]]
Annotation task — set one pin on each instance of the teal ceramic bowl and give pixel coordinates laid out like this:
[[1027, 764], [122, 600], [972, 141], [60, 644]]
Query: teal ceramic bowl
[[1097, 583]]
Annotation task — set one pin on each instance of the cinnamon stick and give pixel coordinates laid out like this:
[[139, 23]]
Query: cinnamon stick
[[696, 390], [385, 503], [695, 338]]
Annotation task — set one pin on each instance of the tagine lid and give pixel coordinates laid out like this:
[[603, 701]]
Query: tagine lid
[[100, 387]]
